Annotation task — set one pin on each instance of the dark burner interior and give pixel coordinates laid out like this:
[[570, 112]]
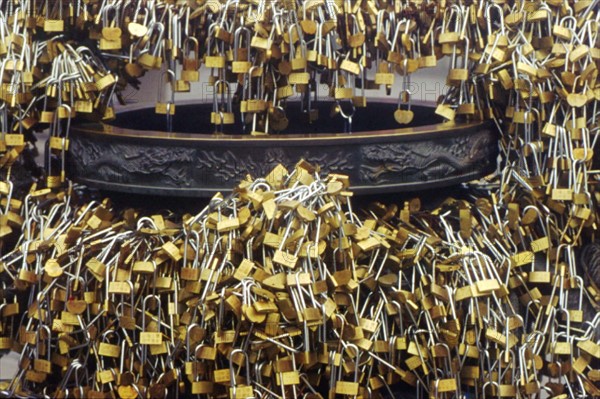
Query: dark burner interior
[[194, 118]]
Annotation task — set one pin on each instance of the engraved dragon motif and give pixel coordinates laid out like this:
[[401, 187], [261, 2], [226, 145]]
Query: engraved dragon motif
[[424, 161], [124, 163]]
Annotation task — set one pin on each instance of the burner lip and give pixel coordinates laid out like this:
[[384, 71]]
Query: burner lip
[[199, 165], [407, 133]]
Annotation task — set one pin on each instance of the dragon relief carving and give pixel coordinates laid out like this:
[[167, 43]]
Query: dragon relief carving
[[230, 166], [424, 161], [124, 163]]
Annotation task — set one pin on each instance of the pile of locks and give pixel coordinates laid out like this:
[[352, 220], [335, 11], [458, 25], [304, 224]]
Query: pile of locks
[[282, 289]]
